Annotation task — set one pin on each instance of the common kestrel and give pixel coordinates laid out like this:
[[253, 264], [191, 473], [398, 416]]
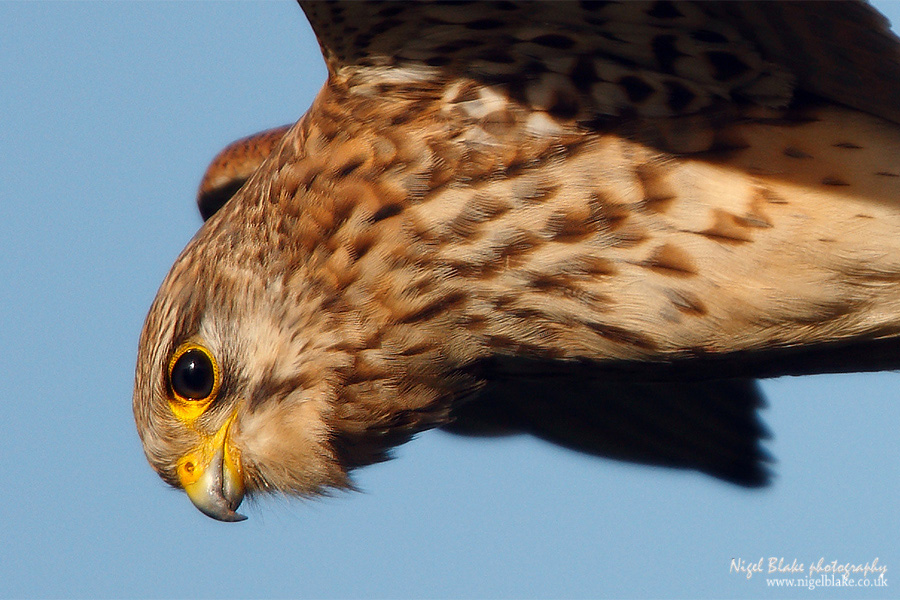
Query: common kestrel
[[595, 222]]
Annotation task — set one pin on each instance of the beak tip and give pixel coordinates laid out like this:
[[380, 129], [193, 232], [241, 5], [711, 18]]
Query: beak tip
[[218, 491], [226, 516], [216, 506]]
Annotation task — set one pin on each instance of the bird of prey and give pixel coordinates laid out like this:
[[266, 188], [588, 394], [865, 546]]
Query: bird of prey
[[594, 222]]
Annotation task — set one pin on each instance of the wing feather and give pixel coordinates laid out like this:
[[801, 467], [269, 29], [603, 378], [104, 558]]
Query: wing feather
[[612, 59]]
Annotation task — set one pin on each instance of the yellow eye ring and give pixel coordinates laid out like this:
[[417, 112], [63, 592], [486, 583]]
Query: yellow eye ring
[[194, 380]]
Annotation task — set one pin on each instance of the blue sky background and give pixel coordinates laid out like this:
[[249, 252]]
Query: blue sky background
[[109, 113]]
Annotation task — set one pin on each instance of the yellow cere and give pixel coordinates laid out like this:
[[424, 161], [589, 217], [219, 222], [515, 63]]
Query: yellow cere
[[193, 464], [190, 469]]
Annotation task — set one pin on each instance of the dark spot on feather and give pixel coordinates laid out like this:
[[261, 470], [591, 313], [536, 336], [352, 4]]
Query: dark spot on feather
[[599, 23], [727, 65], [687, 302], [611, 215], [567, 227], [476, 211], [550, 281], [663, 9], [614, 58], [622, 336], [593, 265], [665, 52], [440, 60], [439, 305], [629, 237], [529, 71], [536, 194], [887, 174], [451, 48], [792, 152], [565, 106], [553, 40], [361, 245], [308, 178], [669, 259], [770, 196], [391, 10], [726, 228], [350, 166], [657, 192], [754, 220], [583, 74], [594, 5], [636, 89], [679, 96], [385, 212], [516, 345], [834, 181], [710, 37], [384, 26], [483, 24], [504, 300], [457, 45], [522, 243], [495, 56], [847, 146]]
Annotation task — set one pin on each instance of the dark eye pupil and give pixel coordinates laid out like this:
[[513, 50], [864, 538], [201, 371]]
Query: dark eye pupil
[[192, 375]]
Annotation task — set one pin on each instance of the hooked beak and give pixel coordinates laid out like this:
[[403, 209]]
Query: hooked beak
[[212, 478]]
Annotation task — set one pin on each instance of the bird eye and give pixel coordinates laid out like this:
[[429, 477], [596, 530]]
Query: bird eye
[[193, 374]]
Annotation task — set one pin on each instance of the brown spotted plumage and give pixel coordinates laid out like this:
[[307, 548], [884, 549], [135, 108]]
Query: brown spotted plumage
[[592, 222]]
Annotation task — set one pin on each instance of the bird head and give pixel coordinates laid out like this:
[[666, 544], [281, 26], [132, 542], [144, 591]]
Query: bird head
[[235, 384]]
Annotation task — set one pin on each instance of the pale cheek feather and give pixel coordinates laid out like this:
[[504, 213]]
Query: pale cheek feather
[[286, 442]]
